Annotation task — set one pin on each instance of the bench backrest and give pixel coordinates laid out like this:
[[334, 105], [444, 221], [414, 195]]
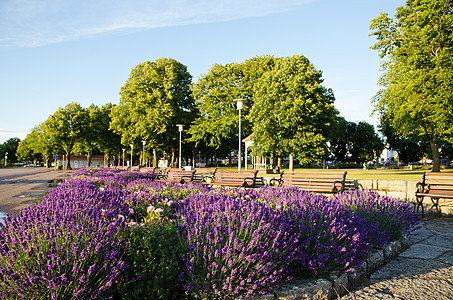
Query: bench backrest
[[332, 182], [147, 169], [235, 177], [205, 171], [178, 175], [438, 181]]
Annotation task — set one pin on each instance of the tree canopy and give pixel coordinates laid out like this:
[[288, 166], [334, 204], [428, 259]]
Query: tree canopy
[[65, 128], [417, 48], [293, 112], [154, 99], [214, 94], [10, 147]]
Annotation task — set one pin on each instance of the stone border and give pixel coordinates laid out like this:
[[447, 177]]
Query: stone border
[[337, 286]]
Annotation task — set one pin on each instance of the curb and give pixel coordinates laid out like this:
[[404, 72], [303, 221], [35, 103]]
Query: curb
[[337, 286]]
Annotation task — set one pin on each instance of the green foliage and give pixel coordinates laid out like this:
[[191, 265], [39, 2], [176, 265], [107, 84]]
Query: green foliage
[[154, 99], [366, 144], [65, 128], [418, 70], [155, 264], [214, 94], [98, 135], [409, 149], [10, 147], [293, 112]]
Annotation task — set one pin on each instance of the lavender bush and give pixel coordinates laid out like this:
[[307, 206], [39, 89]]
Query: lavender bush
[[334, 238], [390, 218], [214, 243], [237, 248], [68, 246]]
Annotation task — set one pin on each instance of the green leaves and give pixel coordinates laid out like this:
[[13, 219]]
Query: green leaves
[[154, 99], [418, 47], [292, 111]]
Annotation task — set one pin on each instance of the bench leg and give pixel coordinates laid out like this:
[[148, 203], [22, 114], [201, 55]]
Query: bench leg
[[420, 205], [435, 202]]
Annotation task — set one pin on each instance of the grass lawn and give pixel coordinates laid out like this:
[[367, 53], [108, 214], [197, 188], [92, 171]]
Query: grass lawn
[[381, 174]]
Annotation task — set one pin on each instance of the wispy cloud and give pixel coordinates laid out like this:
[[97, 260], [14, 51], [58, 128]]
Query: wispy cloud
[[29, 23]]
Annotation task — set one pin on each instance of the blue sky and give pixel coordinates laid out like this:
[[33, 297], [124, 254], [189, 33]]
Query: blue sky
[[53, 52]]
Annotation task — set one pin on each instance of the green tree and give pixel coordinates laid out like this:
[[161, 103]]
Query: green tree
[[293, 112], [409, 149], [10, 147], [28, 147], [65, 128], [339, 142], [366, 145], [97, 136], [154, 99], [418, 70], [214, 92], [107, 141]]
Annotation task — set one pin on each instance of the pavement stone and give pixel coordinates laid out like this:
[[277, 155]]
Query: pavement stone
[[423, 271], [424, 251]]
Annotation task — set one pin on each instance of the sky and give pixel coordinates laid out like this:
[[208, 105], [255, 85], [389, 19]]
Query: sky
[[54, 52]]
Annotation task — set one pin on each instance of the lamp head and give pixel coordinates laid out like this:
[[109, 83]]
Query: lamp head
[[239, 103]]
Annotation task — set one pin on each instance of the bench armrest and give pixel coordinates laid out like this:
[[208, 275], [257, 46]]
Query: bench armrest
[[245, 184], [335, 190], [161, 176], [420, 187], [279, 180]]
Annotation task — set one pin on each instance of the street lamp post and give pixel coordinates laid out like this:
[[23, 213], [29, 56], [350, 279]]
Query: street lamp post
[[6, 158], [123, 155], [144, 143], [240, 106], [180, 126], [132, 148]]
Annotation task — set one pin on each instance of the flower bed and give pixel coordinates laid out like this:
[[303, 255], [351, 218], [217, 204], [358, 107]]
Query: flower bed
[[107, 233]]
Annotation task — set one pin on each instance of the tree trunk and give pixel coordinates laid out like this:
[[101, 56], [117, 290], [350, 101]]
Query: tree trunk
[[89, 159], [154, 158], [106, 159], [291, 163], [436, 155], [68, 165], [173, 159], [193, 159]]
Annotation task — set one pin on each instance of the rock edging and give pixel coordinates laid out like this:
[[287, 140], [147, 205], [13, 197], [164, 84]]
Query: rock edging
[[337, 286]]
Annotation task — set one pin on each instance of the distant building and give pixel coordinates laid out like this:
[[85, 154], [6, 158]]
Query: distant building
[[388, 155], [80, 161]]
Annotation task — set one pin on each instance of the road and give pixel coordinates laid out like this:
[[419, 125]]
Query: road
[[16, 182]]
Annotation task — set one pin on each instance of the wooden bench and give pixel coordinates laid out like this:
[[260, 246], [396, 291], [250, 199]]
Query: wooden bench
[[162, 172], [320, 182], [148, 169], [434, 185], [178, 175], [125, 168], [204, 174], [234, 178]]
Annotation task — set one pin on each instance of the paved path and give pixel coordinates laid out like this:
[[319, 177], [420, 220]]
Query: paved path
[[423, 271], [15, 182]]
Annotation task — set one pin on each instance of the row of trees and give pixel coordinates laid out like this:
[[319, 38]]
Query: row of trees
[[8, 151], [71, 130], [288, 110]]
